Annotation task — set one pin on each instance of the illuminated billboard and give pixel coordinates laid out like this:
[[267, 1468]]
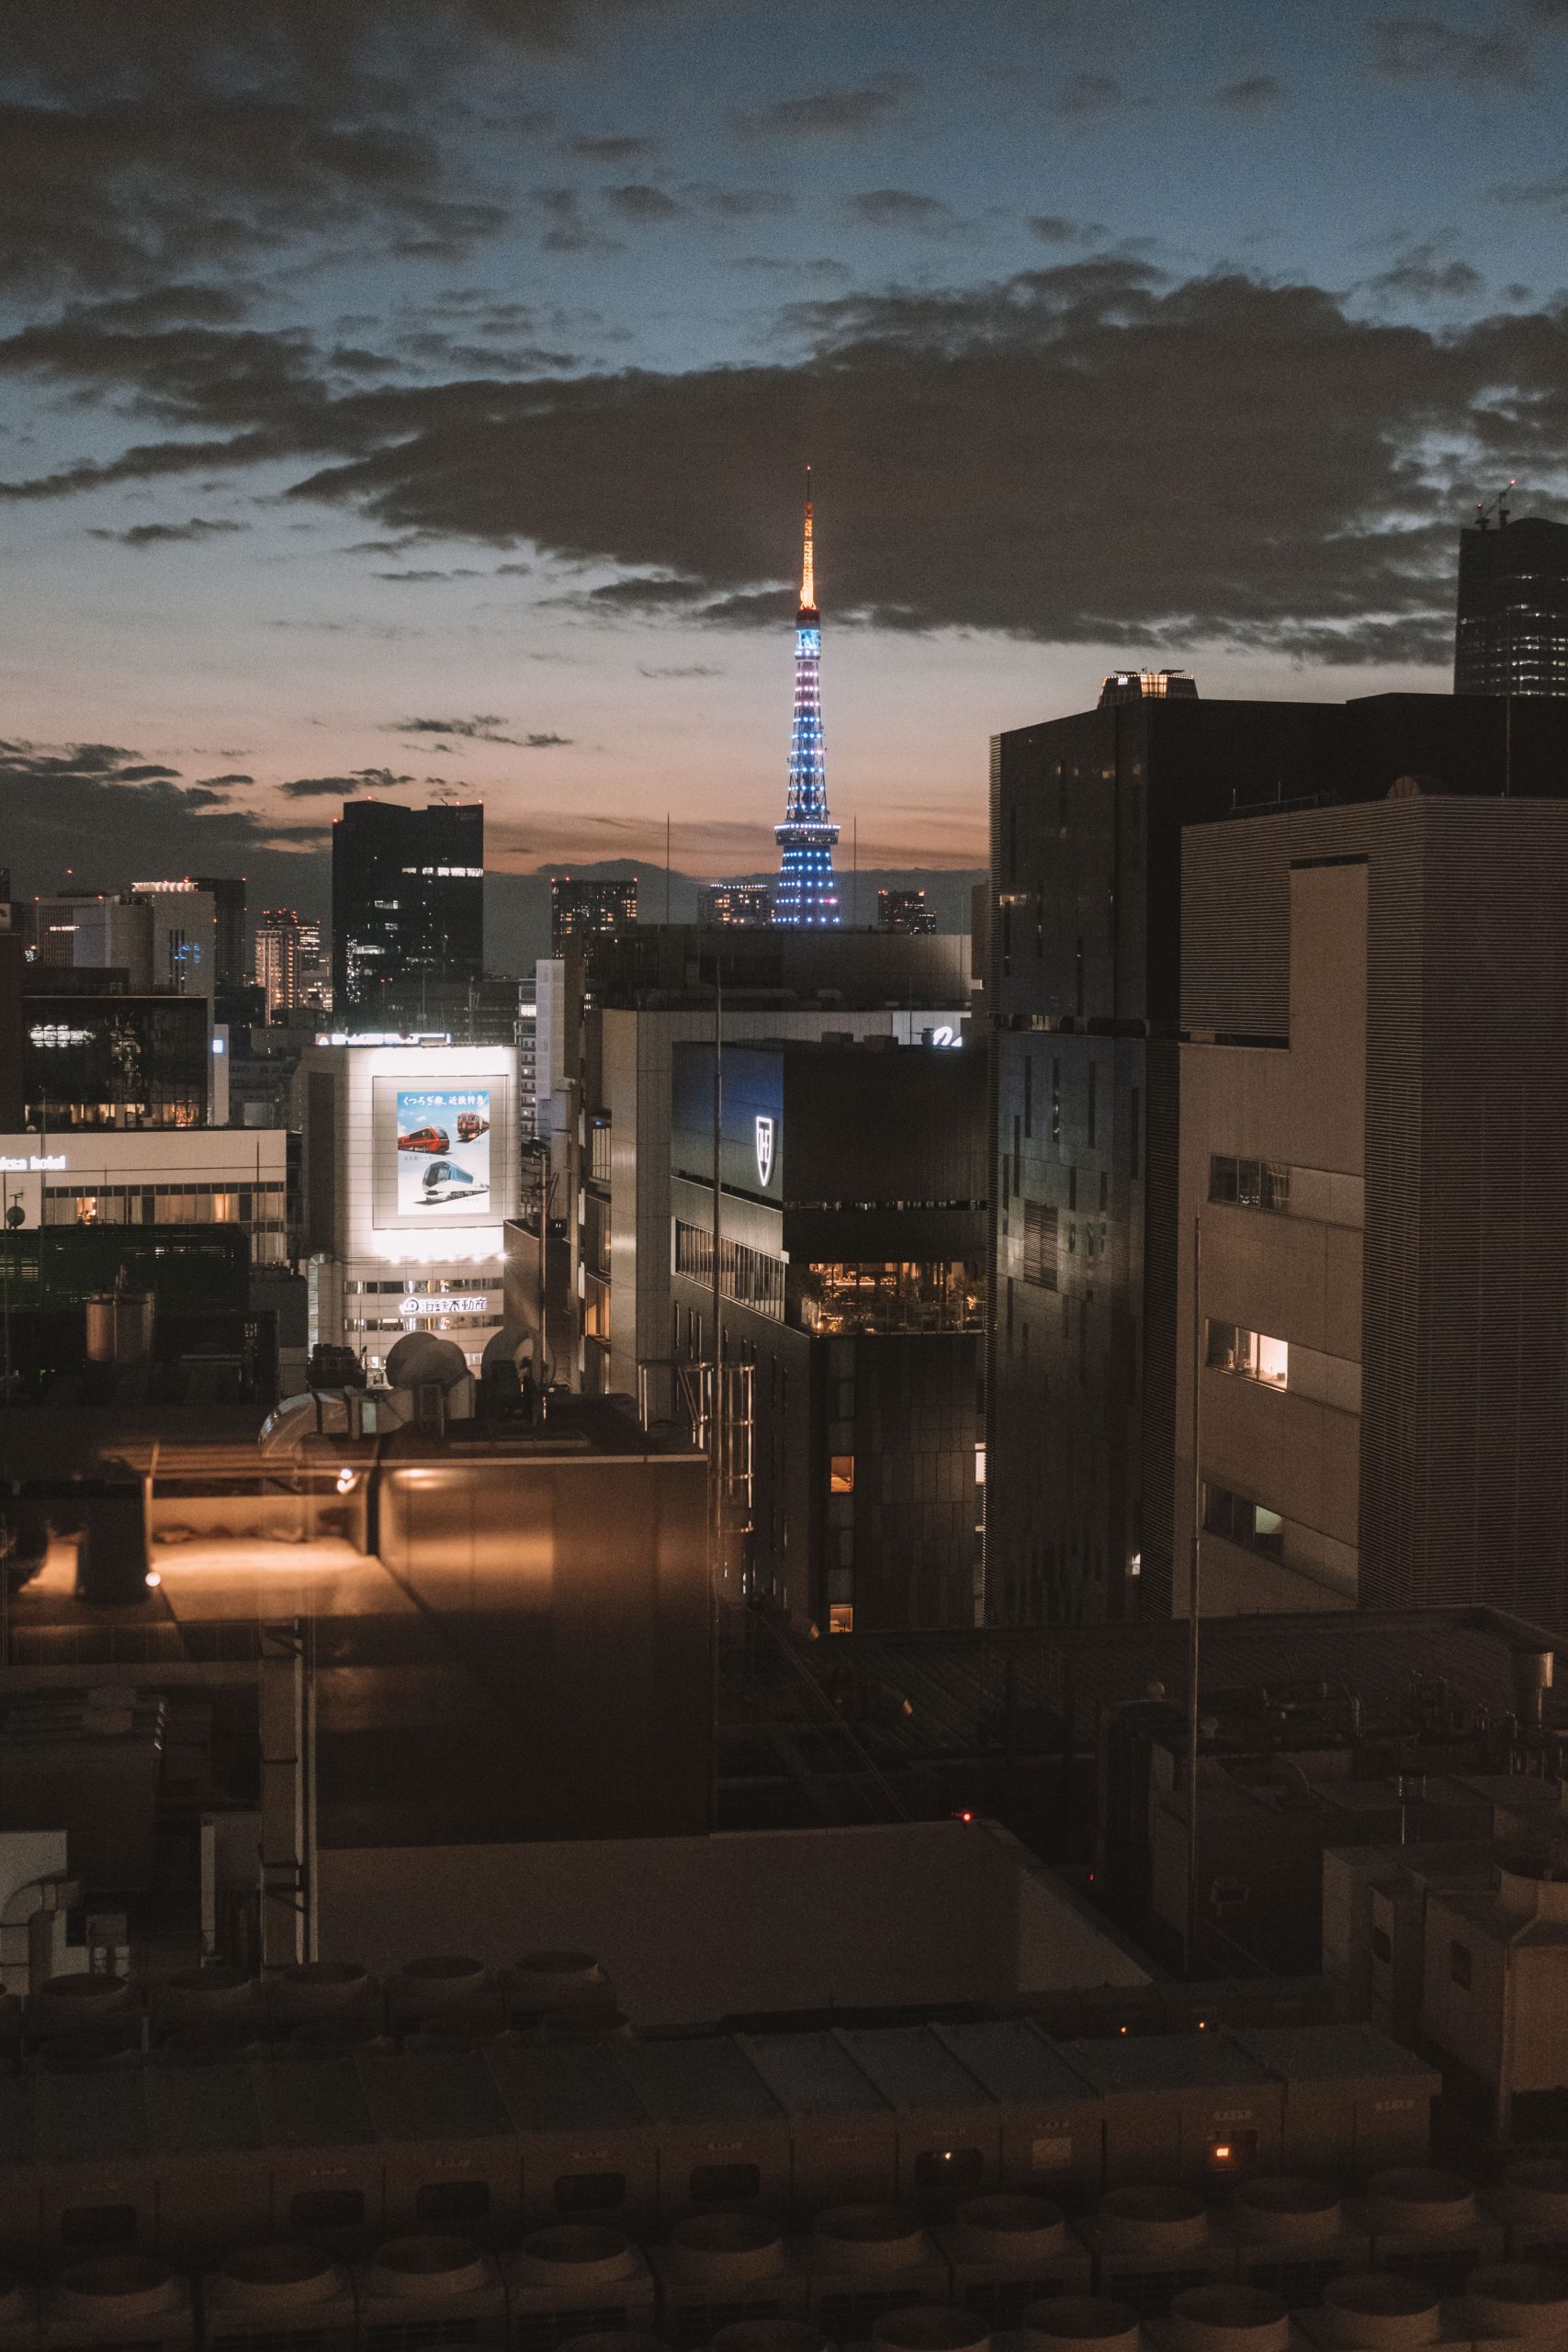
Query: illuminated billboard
[[443, 1154]]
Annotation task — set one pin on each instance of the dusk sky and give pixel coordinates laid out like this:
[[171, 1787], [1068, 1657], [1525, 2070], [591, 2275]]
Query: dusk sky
[[396, 396]]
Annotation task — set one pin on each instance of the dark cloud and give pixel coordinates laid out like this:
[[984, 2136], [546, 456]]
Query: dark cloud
[[860, 107], [563, 226], [1425, 48], [1089, 94], [738, 203], [135, 815], [902, 208], [218, 783], [1254, 93], [1299, 468], [1548, 196], [679, 670], [484, 728], [343, 787], [1055, 229], [639, 202], [148, 141], [1420, 276], [618, 147], [159, 535]]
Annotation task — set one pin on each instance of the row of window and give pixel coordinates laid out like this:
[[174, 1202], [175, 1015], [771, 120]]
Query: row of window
[[1249, 1183], [750, 1276], [1251, 1355], [1241, 1520]]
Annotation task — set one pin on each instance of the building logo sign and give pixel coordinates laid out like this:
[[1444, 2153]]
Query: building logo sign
[[455, 1303], [766, 1130]]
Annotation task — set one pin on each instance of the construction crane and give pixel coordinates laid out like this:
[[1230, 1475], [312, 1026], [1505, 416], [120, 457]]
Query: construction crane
[[1483, 513]]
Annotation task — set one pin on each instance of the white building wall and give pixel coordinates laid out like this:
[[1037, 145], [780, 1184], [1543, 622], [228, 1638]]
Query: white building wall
[[1293, 1275], [386, 1274]]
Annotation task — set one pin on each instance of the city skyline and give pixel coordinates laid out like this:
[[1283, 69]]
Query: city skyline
[[437, 383]]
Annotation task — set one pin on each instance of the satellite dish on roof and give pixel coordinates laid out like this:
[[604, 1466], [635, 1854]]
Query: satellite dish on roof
[[422, 1356]]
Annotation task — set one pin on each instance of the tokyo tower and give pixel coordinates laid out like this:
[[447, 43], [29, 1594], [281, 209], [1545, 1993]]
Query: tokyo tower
[[807, 891]]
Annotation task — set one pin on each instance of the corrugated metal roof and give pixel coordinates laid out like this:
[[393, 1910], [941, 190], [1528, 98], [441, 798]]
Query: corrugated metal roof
[[912, 2068], [202, 2110], [89, 2117], [1320, 2054], [1014, 2061], [812, 2074], [565, 2090], [1164, 2062], [314, 2103], [698, 2082], [434, 2095]]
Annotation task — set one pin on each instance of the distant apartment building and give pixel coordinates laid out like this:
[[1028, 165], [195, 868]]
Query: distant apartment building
[[736, 906], [905, 910], [582, 909], [161, 935], [1374, 1153], [228, 894], [289, 964]]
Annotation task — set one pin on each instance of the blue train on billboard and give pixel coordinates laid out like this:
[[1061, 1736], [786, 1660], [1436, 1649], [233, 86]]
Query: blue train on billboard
[[442, 1149]]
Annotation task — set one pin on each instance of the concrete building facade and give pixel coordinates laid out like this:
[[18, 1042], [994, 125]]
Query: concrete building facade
[[1083, 995], [1374, 1138]]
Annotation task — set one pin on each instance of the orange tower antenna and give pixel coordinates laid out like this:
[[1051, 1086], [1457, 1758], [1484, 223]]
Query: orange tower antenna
[[807, 564]]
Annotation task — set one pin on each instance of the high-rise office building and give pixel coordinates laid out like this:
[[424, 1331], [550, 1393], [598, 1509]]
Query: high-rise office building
[[648, 990], [905, 910], [407, 900], [289, 961], [1374, 1130], [808, 892], [1082, 990], [226, 892], [736, 906], [582, 909], [855, 1337], [1512, 634]]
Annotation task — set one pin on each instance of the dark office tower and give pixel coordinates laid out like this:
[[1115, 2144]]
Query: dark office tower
[[736, 906], [228, 894], [1148, 686], [589, 909], [1083, 992], [905, 910], [1512, 636], [408, 899]]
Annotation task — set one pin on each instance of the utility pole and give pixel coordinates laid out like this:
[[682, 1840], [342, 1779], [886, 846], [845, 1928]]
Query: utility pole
[[716, 1424], [1194, 1596]]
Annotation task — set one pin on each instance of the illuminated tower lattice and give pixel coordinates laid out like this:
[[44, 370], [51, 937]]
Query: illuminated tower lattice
[[807, 890]]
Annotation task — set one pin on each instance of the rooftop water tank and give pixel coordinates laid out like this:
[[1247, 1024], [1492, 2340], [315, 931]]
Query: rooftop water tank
[[869, 2237], [1151, 2219], [1011, 2230], [1415, 2200], [1280, 2209], [1528, 2300], [1380, 2311], [1080, 2323], [930, 2327], [1223, 2318]]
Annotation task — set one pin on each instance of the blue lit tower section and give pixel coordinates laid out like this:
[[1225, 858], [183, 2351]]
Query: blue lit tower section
[[807, 891]]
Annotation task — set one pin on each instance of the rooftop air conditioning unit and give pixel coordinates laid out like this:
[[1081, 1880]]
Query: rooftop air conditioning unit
[[576, 2279], [720, 2269], [418, 2294], [278, 2299], [118, 2298]]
